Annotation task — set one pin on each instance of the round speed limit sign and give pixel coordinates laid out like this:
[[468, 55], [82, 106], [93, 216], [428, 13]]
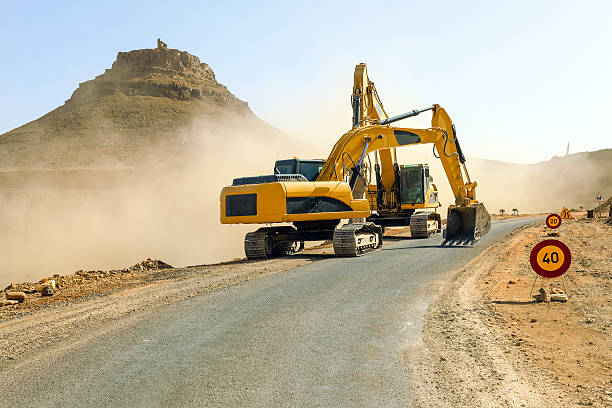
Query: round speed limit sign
[[553, 221], [550, 258]]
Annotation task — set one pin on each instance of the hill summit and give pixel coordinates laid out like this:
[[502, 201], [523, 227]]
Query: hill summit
[[148, 102], [159, 72]]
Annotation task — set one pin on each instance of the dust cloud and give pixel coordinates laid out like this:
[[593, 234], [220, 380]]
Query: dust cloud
[[115, 217], [167, 205], [570, 181]]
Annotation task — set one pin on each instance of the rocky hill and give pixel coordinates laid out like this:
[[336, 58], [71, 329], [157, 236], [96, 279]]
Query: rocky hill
[[151, 102]]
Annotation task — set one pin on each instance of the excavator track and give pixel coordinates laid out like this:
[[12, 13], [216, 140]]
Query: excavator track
[[268, 243], [357, 239], [255, 244], [424, 224]]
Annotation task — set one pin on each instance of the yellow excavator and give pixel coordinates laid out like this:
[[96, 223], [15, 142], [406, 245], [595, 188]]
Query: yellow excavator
[[316, 195]]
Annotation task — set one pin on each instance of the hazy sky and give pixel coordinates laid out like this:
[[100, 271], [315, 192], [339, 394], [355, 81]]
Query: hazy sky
[[520, 79]]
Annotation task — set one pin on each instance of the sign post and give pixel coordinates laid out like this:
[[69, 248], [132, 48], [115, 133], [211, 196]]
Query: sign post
[[566, 214], [553, 221], [549, 259]]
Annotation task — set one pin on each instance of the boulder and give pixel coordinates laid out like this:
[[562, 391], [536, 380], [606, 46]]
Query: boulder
[[18, 296], [541, 296], [45, 283], [558, 297]]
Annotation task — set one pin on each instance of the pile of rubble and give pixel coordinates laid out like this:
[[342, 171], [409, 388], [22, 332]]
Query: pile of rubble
[[555, 295], [150, 265], [19, 293]]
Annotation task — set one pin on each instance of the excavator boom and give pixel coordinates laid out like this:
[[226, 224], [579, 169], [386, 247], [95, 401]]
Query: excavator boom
[[468, 220]]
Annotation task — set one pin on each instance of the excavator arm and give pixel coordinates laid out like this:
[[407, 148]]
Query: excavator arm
[[468, 219], [366, 104], [368, 110]]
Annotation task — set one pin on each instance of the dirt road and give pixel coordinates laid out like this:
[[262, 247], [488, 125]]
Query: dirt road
[[326, 333]]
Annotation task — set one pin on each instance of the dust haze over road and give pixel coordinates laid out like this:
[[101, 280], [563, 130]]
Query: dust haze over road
[[167, 209], [143, 151], [131, 167]]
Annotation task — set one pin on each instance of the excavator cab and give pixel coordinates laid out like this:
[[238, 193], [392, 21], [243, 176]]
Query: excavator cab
[[413, 201], [415, 183], [310, 169]]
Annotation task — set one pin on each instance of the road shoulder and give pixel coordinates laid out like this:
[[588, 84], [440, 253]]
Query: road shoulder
[[27, 331], [487, 344]]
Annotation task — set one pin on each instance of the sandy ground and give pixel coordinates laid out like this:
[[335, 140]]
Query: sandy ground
[[486, 343]]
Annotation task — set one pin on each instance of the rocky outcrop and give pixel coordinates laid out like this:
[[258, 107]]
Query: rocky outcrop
[[160, 72]]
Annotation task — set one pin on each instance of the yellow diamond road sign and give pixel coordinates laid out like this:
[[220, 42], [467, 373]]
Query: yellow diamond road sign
[[566, 215]]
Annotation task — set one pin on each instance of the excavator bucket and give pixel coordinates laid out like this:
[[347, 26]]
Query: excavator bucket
[[466, 224]]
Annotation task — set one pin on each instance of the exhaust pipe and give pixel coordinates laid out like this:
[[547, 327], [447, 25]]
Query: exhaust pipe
[[466, 224]]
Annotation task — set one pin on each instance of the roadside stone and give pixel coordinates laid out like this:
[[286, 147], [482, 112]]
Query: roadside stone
[[18, 296], [556, 290], [46, 283], [8, 302], [46, 291], [541, 296], [558, 297]]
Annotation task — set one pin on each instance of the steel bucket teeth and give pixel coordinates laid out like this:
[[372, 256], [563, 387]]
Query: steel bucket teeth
[[466, 224], [464, 240]]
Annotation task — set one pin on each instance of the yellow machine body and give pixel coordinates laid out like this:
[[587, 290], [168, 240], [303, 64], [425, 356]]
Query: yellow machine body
[[272, 199]]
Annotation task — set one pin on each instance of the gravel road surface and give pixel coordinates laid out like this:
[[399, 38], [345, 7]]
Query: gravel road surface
[[330, 334]]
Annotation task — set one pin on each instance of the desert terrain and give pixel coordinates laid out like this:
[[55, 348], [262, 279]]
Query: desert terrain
[[112, 201]]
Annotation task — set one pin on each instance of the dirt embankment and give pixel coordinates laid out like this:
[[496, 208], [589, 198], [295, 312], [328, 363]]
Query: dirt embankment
[[88, 301], [487, 344]]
